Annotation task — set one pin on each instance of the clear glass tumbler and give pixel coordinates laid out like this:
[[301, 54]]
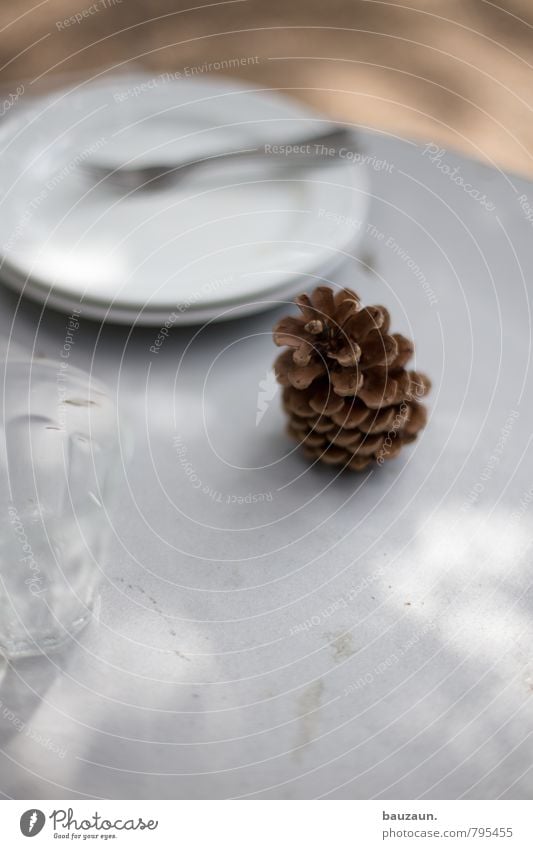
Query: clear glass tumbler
[[58, 453]]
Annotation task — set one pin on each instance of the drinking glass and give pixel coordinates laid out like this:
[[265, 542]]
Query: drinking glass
[[58, 454]]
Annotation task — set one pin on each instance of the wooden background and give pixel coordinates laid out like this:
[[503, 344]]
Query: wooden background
[[454, 71]]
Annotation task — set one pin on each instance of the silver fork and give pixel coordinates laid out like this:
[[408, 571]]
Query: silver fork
[[326, 147]]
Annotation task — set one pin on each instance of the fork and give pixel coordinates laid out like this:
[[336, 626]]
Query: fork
[[326, 147]]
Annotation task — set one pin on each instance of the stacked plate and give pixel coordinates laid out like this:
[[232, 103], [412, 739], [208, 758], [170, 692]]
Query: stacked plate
[[226, 240]]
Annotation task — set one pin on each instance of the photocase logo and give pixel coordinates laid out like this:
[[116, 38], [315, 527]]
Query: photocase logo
[[268, 388], [32, 822]]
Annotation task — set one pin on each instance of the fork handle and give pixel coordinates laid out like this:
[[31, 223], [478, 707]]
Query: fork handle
[[326, 146], [329, 144]]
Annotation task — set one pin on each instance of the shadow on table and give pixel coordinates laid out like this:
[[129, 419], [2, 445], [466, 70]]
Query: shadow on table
[[23, 685]]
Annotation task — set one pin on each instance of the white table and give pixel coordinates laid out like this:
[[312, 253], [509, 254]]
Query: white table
[[356, 637]]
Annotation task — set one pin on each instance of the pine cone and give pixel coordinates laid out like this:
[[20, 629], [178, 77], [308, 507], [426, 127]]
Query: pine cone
[[349, 398]]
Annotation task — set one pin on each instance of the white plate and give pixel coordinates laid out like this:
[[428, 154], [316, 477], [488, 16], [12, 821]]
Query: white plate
[[227, 237]]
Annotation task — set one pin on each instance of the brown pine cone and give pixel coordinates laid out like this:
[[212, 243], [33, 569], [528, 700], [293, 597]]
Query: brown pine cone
[[349, 398]]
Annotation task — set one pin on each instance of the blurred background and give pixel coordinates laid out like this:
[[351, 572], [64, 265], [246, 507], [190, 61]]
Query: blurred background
[[456, 72]]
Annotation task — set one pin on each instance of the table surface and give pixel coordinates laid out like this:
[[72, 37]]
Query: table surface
[[267, 629]]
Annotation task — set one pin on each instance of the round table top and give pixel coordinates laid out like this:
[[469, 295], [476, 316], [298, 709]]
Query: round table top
[[268, 630]]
